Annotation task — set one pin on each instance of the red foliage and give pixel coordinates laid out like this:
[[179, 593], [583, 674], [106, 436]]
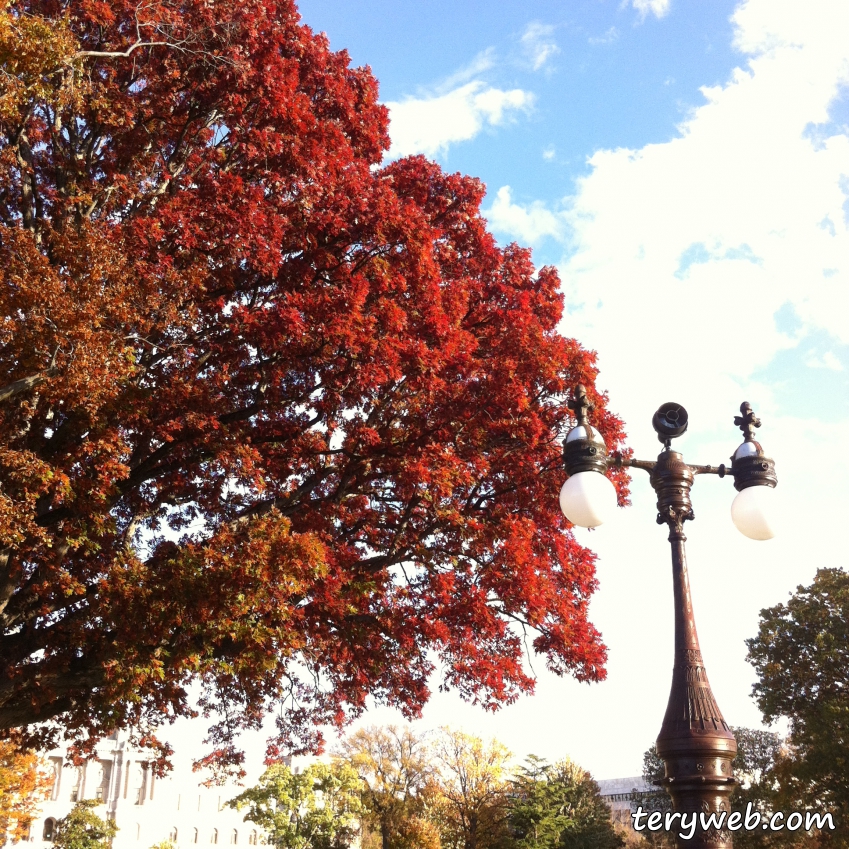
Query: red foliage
[[289, 420]]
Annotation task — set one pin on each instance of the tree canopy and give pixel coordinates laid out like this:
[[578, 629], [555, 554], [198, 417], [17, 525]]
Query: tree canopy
[[801, 656], [277, 418], [315, 809], [558, 806], [82, 828], [395, 770], [472, 789], [24, 784]]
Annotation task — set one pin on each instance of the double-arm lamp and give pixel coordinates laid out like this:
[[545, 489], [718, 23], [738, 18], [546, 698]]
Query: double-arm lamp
[[695, 742]]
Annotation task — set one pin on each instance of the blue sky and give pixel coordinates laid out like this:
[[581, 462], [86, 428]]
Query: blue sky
[[600, 74], [685, 165]]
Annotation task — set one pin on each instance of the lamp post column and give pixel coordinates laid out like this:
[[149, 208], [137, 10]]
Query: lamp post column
[[695, 742]]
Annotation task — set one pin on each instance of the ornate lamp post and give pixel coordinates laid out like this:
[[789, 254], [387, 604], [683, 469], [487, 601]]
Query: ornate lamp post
[[695, 742]]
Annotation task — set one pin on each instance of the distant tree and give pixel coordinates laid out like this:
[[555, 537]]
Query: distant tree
[[558, 806], [23, 785], [84, 829], [755, 766], [318, 808], [656, 799], [395, 773], [801, 656], [471, 785]]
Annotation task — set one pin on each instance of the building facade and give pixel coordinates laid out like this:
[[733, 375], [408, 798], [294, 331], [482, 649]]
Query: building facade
[[147, 810]]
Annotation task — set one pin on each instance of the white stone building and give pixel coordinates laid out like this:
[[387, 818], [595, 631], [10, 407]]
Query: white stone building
[[617, 794], [146, 809]]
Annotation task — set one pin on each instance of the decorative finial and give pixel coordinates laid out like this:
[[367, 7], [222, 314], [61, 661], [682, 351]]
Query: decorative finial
[[580, 404], [747, 422]]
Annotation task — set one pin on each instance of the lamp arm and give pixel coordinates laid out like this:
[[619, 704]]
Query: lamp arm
[[649, 465], [630, 463], [722, 470]]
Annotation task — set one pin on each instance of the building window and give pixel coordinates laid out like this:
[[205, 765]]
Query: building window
[[252, 838], [214, 837], [138, 831], [172, 835], [195, 836], [56, 770], [49, 829], [234, 837]]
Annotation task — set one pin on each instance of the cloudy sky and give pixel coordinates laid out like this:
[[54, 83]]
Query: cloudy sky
[[685, 165]]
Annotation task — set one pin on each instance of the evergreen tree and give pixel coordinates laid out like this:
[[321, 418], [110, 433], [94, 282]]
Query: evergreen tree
[[559, 806]]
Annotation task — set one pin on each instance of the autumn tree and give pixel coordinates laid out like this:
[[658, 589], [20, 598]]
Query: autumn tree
[[471, 783], [801, 656], [24, 784], [277, 418], [317, 808], [558, 806], [82, 828], [395, 772]]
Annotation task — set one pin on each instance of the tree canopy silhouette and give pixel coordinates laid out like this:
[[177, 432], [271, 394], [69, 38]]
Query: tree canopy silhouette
[[276, 417]]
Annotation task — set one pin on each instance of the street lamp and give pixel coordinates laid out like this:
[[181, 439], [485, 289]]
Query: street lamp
[[695, 742]]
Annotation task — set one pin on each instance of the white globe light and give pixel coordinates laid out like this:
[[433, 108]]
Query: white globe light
[[753, 512], [588, 499]]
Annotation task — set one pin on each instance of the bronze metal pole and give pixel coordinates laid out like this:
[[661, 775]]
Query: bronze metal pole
[[695, 742]]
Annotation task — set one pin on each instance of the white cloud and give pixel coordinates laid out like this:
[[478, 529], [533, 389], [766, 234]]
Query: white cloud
[[429, 125], [538, 44], [484, 61], [528, 224], [828, 360], [742, 181], [658, 8], [549, 153], [609, 37]]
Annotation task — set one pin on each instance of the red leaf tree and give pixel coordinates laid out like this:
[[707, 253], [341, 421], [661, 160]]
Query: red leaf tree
[[275, 419]]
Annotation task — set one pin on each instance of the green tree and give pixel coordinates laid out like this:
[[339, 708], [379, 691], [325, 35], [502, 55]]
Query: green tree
[[757, 768], [655, 800], [316, 809], [801, 656], [758, 753], [84, 829], [558, 806]]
